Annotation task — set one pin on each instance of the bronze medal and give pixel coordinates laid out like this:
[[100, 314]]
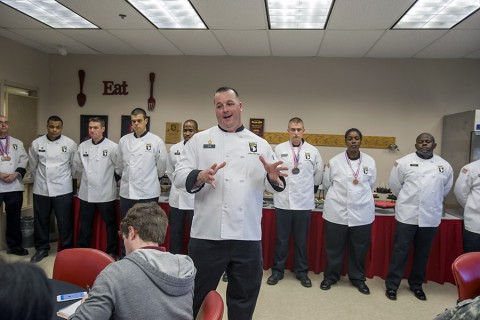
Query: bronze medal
[[7, 158], [295, 171], [355, 181]]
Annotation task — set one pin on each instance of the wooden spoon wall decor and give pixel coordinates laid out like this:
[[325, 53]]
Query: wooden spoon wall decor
[[151, 100], [81, 97]]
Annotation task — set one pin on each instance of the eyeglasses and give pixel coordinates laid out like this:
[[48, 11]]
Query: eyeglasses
[[4, 123]]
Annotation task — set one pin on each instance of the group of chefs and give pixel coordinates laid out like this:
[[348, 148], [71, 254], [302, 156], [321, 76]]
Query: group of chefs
[[222, 172]]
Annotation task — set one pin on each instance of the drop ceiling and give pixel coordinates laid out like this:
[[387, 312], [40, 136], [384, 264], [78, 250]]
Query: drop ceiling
[[355, 29]]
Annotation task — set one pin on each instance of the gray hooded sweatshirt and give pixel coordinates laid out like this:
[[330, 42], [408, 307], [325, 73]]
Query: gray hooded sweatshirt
[[146, 284]]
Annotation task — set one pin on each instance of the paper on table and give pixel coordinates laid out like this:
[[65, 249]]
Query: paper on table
[[68, 310]]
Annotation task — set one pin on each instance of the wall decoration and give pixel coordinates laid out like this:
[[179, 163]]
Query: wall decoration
[[173, 132], [151, 100], [257, 126], [81, 97], [84, 119], [126, 126]]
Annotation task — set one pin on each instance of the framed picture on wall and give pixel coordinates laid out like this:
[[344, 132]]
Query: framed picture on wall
[[84, 119], [127, 125]]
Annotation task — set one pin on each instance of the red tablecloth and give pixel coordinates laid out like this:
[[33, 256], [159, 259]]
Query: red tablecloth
[[446, 246]]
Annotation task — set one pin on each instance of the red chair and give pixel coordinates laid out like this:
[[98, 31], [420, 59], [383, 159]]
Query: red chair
[[80, 266], [466, 272], [211, 308]]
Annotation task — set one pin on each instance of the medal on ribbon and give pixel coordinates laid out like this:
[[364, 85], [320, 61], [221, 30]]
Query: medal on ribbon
[[355, 173], [4, 150], [296, 158]]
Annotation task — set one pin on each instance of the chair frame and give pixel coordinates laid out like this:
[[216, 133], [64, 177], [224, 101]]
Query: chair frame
[[212, 307], [80, 266], [466, 272]]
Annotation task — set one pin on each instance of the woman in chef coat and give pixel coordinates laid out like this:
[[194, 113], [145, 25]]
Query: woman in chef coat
[[348, 212]]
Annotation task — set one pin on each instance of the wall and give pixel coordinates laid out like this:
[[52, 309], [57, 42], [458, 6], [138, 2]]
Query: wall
[[385, 97]]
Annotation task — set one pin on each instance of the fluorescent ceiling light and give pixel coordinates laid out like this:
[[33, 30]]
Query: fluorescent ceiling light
[[298, 14], [51, 13], [169, 14], [437, 14]]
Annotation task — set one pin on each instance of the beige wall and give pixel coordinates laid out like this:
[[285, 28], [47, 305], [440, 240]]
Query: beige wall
[[385, 97]]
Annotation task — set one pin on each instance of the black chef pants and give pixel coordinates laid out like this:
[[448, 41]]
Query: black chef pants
[[62, 207], [357, 240], [298, 222], [108, 213], [13, 208], [471, 241], [242, 261], [177, 218], [422, 239]]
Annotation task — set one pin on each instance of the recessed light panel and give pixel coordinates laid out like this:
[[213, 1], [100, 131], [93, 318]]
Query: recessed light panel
[[437, 14], [169, 14], [298, 14], [51, 13]]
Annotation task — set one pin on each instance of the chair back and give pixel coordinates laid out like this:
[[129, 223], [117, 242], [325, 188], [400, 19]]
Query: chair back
[[212, 307], [80, 266], [466, 272]]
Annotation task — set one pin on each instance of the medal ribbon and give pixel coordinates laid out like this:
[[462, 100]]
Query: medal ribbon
[[355, 174], [4, 150], [296, 157]]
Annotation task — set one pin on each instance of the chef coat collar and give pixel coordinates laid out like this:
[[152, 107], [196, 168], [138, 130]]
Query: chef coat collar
[[57, 138], [238, 130], [298, 145], [143, 134], [101, 140], [424, 157]]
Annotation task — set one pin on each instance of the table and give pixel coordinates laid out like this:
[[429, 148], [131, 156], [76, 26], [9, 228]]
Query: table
[[448, 243], [59, 287]]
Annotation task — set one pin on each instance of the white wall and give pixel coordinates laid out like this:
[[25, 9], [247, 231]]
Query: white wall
[[384, 97]]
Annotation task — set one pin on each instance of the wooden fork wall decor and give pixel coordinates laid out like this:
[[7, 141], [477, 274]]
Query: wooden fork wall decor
[[151, 100]]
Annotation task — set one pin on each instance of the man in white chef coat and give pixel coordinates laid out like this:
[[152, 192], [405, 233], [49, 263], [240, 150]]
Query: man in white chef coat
[[228, 167], [467, 192], [181, 202], [293, 207], [141, 161], [13, 163], [51, 164], [421, 180], [96, 159]]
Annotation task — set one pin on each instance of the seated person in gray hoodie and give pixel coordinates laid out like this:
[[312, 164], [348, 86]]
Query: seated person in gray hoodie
[[147, 283]]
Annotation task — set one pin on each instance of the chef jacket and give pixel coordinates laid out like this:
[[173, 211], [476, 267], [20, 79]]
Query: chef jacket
[[177, 198], [299, 192], [97, 161], [347, 203], [51, 164], [233, 210], [17, 163], [421, 186], [467, 191], [140, 162]]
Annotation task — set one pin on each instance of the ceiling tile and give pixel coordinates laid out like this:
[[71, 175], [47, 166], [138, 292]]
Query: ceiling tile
[[295, 42], [101, 41], [195, 42], [454, 44], [244, 42], [150, 42], [348, 44]]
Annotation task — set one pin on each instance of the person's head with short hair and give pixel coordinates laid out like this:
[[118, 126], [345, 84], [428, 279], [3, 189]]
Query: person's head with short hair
[[25, 292], [190, 127], [4, 126], [96, 128], [296, 130], [144, 225], [54, 127], [228, 109], [139, 120], [353, 140], [425, 144]]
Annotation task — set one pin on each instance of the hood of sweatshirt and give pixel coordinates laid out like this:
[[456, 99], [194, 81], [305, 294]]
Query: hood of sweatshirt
[[172, 273]]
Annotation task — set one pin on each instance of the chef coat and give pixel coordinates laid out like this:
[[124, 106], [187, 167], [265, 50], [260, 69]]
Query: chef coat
[[347, 203], [421, 186], [233, 210], [51, 164], [299, 192], [18, 159], [467, 191], [140, 162], [177, 198], [97, 161]]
